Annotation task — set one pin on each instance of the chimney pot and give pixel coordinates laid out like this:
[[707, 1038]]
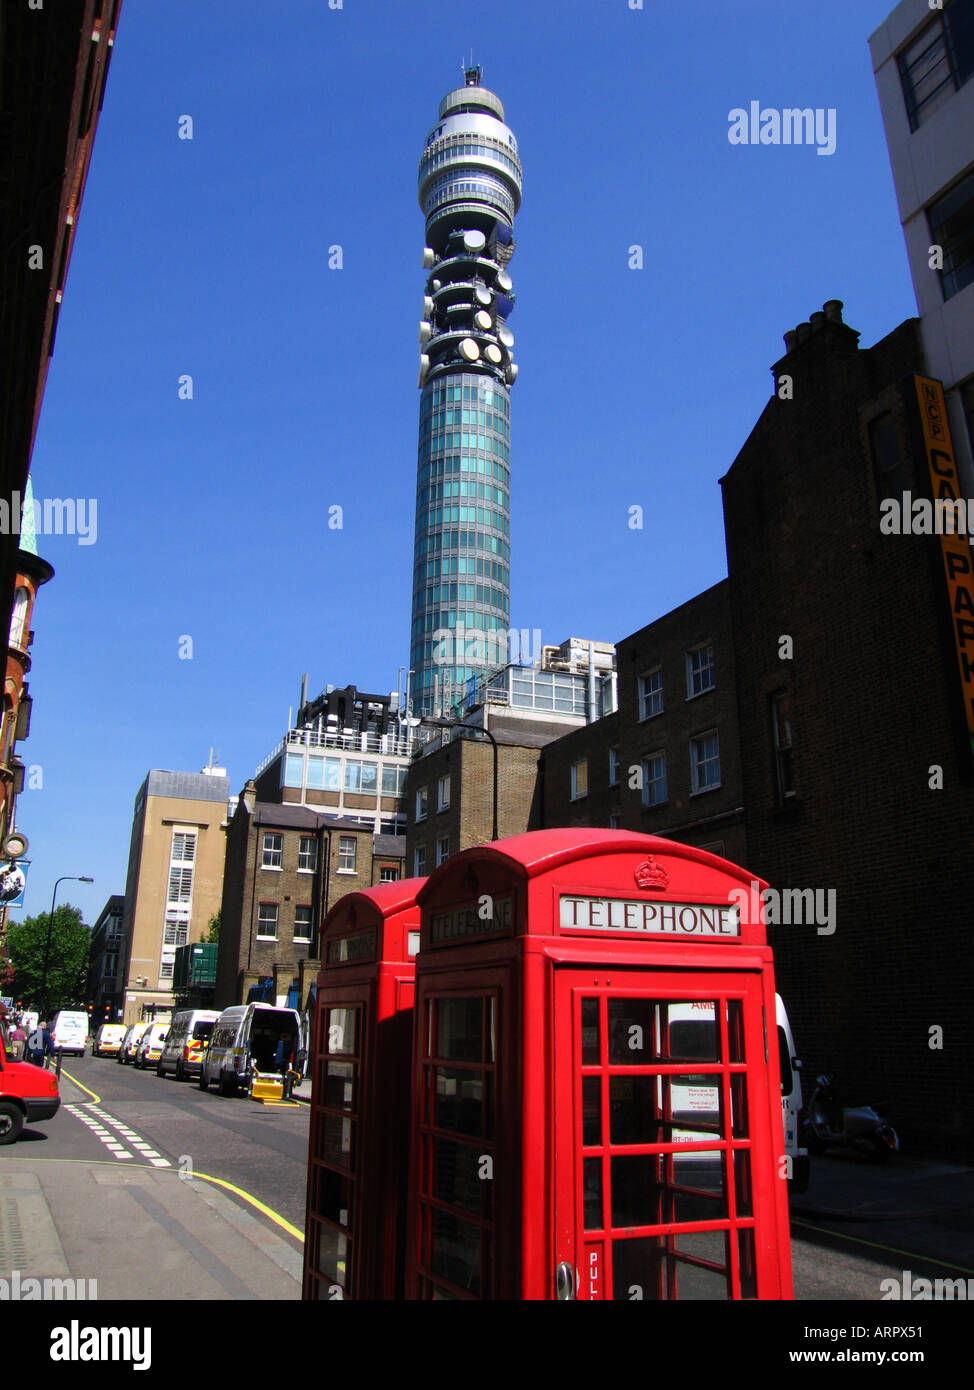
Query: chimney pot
[[816, 320], [791, 340], [833, 310], [804, 331]]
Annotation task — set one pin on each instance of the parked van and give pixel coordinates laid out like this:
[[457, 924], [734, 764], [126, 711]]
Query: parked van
[[694, 1097], [247, 1036], [189, 1037], [130, 1042], [70, 1032], [108, 1040], [150, 1046]]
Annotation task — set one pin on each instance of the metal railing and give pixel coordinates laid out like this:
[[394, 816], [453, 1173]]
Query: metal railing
[[348, 741]]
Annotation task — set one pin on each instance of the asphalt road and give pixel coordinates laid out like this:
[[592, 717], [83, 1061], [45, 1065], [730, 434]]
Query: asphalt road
[[263, 1150], [856, 1227]]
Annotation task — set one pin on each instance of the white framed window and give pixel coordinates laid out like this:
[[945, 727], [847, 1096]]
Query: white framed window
[[166, 969], [442, 849], [293, 770], [388, 874], [361, 777], [183, 847], [267, 921], [704, 763], [443, 793], [394, 779], [347, 852], [302, 923], [613, 768], [579, 779], [700, 670], [651, 694], [273, 851], [419, 861], [175, 931], [324, 774], [18, 619], [654, 779], [422, 803], [180, 885], [307, 854]]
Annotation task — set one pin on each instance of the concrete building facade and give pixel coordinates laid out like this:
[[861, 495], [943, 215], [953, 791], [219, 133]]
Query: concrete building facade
[[174, 884], [923, 58]]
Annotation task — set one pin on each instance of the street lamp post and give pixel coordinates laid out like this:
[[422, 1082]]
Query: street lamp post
[[437, 723], [74, 878]]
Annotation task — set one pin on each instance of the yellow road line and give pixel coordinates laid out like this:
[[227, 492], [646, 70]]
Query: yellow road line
[[262, 1207], [75, 1082], [254, 1202], [877, 1245]]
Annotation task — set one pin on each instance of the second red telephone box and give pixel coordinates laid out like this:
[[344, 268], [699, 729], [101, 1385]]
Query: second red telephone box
[[596, 1109], [359, 1134]]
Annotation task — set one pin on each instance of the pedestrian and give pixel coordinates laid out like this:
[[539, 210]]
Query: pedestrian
[[18, 1038], [40, 1046]]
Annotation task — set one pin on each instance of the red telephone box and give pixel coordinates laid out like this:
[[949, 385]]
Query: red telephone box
[[359, 1134], [596, 1107]]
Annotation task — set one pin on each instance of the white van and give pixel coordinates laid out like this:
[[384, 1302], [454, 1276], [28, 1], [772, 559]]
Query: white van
[[189, 1037], [108, 1040], [130, 1043], [70, 1032], [692, 1035], [246, 1036]]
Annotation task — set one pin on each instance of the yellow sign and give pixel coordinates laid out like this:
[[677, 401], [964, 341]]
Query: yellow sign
[[955, 548]]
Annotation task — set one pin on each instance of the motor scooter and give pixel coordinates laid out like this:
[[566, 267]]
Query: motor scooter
[[830, 1124]]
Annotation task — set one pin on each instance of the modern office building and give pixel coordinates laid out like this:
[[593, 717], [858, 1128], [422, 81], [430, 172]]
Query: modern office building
[[324, 814], [106, 963], [470, 191], [346, 755], [175, 880], [923, 58], [486, 770]]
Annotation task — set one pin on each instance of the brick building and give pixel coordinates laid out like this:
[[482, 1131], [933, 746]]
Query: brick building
[[805, 718], [451, 801], [855, 756], [286, 865], [667, 762]]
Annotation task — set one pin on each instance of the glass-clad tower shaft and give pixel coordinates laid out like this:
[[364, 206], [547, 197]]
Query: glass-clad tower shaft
[[469, 190]]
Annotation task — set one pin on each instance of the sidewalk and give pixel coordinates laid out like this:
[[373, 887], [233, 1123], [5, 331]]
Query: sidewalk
[[919, 1207], [136, 1231]]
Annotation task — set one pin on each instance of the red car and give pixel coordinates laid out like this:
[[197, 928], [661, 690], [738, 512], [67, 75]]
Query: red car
[[27, 1094]]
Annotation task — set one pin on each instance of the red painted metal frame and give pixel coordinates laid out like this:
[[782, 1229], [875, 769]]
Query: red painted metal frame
[[524, 964], [382, 987]]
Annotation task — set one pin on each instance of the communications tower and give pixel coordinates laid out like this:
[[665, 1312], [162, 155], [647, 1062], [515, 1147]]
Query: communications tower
[[470, 191]]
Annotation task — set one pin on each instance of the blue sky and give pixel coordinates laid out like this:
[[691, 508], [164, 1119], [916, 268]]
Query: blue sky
[[209, 257]]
